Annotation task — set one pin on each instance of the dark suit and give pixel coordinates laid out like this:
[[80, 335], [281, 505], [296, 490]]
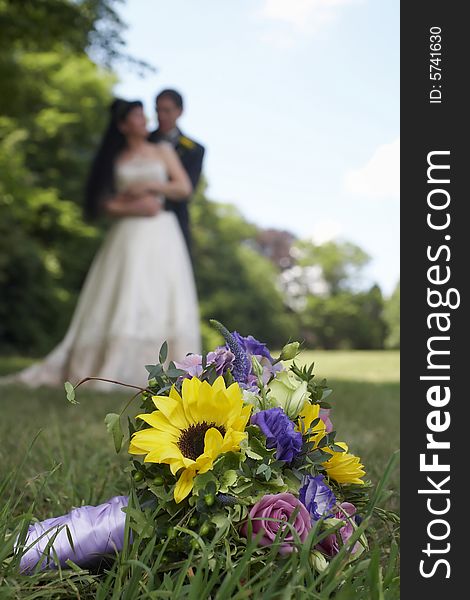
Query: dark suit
[[191, 155]]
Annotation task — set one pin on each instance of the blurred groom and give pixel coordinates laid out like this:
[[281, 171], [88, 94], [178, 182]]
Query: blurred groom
[[169, 106]]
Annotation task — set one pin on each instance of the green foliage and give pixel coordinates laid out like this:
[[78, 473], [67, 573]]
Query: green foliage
[[333, 309], [39, 25], [340, 262], [45, 250], [392, 317], [54, 109], [345, 320]]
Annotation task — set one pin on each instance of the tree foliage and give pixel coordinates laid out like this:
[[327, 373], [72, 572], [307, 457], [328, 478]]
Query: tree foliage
[[53, 101], [392, 318], [325, 288]]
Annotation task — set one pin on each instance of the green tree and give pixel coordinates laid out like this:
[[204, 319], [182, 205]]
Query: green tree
[[392, 318], [53, 101], [325, 289], [341, 263]]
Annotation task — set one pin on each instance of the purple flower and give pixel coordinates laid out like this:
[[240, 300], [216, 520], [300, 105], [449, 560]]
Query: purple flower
[[222, 358], [280, 433], [269, 370], [241, 364], [250, 384], [330, 545], [192, 364], [253, 346], [317, 496], [325, 417], [269, 516]]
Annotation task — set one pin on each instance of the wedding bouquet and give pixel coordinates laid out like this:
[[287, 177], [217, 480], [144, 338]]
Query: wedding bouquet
[[230, 449]]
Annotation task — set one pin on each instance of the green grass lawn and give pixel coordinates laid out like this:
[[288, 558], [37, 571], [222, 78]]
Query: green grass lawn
[[365, 403], [63, 456]]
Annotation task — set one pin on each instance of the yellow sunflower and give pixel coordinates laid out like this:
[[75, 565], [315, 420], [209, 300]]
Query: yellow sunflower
[[190, 431], [344, 467], [307, 415]]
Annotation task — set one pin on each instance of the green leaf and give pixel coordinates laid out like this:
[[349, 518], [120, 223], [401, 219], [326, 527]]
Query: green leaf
[[163, 353], [319, 456], [154, 370], [113, 425], [249, 452], [227, 480], [202, 481], [174, 373], [258, 447], [337, 448], [70, 390]]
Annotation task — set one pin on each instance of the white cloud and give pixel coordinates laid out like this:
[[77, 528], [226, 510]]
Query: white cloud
[[379, 178], [303, 15]]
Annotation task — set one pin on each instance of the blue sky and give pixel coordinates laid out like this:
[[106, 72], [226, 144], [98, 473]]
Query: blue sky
[[297, 103]]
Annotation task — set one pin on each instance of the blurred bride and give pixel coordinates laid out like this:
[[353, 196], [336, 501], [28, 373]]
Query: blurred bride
[[140, 289]]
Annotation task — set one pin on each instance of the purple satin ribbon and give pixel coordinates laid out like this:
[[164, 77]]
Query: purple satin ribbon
[[94, 530]]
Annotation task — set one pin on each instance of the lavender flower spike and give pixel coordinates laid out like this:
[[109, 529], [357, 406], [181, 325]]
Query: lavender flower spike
[[241, 364]]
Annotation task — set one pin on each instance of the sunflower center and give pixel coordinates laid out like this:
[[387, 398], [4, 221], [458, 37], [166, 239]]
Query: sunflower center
[[191, 441]]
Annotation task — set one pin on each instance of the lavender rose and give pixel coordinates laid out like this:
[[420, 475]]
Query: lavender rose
[[280, 507], [280, 433], [192, 364], [330, 545], [222, 359], [317, 496]]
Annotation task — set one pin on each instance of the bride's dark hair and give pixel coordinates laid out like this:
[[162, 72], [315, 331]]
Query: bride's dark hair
[[100, 179]]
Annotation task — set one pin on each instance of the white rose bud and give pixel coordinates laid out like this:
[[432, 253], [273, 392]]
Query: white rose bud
[[318, 561], [257, 367], [289, 392], [290, 351]]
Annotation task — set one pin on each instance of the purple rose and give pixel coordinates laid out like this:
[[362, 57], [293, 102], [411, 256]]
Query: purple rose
[[280, 507], [330, 545], [192, 364], [222, 359], [317, 496], [280, 433], [253, 346]]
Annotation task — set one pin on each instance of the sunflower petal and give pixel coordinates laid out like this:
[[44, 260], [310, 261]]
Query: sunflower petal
[[184, 485], [172, 409], [162, 454], [213, 442], [159, 421]]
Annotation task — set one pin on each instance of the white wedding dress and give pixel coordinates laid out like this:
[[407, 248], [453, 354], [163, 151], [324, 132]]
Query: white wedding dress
[[138, 293]]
